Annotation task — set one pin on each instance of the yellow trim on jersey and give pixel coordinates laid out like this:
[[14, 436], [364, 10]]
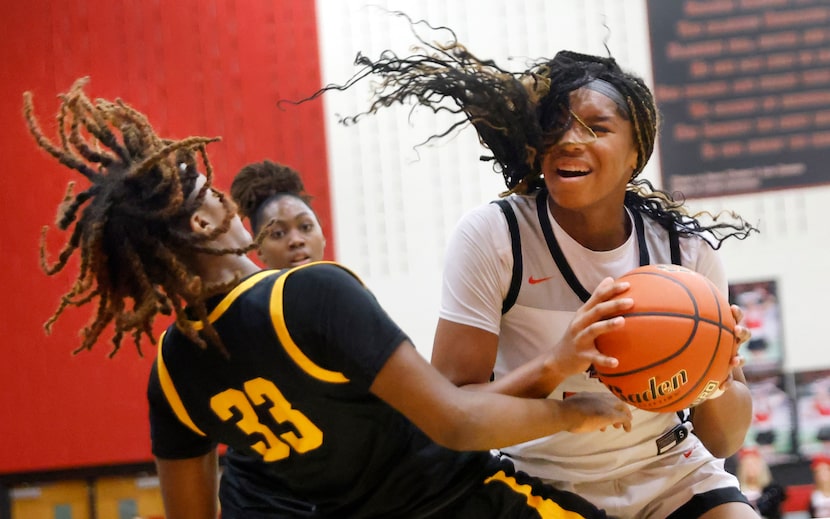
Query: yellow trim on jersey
[[288, 343], [547, 508], [230, 298], [170, 391]]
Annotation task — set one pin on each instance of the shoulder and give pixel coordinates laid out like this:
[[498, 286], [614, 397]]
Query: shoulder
[[317, 286], [481, 235], [489, 222], [321, 272], [483, 215]]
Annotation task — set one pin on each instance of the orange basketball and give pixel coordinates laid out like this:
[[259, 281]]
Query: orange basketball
[[676, 346]]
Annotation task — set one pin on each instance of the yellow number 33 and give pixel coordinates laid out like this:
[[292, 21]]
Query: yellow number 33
[[272, 447]]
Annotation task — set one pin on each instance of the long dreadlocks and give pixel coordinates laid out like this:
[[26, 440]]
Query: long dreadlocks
[[518, 115], [129, 227]]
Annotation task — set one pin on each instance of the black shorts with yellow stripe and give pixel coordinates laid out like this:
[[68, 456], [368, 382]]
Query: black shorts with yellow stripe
[[508, 493]]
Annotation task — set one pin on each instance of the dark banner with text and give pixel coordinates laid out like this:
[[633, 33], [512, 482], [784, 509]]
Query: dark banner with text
[[743, 87]]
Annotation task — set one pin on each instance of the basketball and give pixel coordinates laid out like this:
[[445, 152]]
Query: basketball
[[676, 346]]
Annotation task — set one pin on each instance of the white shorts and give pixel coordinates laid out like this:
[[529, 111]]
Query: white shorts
[[657, 490]]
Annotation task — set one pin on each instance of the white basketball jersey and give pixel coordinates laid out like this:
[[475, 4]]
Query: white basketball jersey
[[545, 305]]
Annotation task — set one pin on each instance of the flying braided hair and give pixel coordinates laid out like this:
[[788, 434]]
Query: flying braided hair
[[129, 226], [519, 115]]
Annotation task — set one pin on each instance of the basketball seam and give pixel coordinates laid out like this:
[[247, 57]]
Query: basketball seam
[[722, 331]]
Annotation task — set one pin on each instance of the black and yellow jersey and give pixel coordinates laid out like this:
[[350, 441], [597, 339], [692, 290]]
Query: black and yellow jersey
[[291, 401]]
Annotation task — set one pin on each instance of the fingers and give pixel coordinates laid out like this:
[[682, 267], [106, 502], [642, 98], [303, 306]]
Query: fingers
[[738, 361], [625, 421], [607, 289], [602, 317], [595, 330], [737, 313], [742, 334], [576, 350], [598, 411]]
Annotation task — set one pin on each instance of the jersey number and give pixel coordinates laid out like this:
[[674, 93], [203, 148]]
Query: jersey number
[[272, 446]]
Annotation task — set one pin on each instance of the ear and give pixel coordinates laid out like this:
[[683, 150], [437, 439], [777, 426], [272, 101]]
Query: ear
[[632, 161], [261, 256], [199, 224]]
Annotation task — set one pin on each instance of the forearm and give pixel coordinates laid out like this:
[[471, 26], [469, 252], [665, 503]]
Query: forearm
[[189, 487], [722, 423], [520, 420], [471, 427], [535, 379], [462, 419], [466, 355]]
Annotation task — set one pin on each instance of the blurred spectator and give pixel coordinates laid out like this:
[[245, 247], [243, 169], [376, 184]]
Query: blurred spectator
[[820, 498], [757, 484]]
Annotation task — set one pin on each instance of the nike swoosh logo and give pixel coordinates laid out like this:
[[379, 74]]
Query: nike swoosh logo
[[532, 280]]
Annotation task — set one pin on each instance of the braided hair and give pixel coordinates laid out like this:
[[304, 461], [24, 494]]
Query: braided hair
[[130, 225], [518, 115], [260, 183]]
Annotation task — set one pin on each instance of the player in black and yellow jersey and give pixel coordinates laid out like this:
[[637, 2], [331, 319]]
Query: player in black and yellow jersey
[[325, 406]]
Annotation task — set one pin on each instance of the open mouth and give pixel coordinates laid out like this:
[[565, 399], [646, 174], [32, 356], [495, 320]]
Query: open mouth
[[572, 173], [299, 260]]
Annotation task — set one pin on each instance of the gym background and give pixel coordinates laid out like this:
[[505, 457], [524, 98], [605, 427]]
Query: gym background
[[75, 435]]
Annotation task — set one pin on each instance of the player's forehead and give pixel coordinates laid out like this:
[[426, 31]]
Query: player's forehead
[[593, 104], [200, 183], [288, 207]]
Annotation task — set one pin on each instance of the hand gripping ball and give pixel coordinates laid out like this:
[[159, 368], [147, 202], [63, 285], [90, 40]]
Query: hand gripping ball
[[676, 346]]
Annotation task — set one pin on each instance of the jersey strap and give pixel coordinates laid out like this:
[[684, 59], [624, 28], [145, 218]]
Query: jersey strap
[[231, 297], [291, 348], [641, 238], [516, 244], [674, 245], [556, 251], [170, 393]]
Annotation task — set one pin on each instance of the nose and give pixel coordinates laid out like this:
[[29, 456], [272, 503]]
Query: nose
[[296, 238], [577, 133]]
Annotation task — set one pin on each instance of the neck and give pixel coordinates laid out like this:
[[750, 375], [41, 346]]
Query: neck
[[225, 268], [595, 230]]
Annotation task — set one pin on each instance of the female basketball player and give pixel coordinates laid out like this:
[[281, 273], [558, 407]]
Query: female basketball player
[[325, 406], [273, 195], [570, 136]]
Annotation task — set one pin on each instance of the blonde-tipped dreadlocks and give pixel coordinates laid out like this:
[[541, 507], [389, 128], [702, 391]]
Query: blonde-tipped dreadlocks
[[518, 115], [129, 226]]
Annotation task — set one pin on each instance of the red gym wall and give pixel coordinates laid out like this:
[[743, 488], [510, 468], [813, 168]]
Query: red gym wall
[[194, 67]]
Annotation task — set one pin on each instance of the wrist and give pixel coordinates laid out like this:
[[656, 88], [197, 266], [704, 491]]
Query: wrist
[[551, 371]]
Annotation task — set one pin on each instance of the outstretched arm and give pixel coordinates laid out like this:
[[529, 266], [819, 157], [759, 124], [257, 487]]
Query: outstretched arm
[[466, 354], [473, 420], [189, 486]]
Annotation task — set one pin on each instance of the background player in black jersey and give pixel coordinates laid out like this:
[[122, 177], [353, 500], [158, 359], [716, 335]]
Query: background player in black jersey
[[268, 193], [326, 408]]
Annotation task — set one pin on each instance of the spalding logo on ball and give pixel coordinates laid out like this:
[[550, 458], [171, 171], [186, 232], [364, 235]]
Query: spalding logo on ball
[[676, 346]]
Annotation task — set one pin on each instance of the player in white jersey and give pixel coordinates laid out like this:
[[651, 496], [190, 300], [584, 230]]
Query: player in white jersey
[[650, 471], [519, 309]]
